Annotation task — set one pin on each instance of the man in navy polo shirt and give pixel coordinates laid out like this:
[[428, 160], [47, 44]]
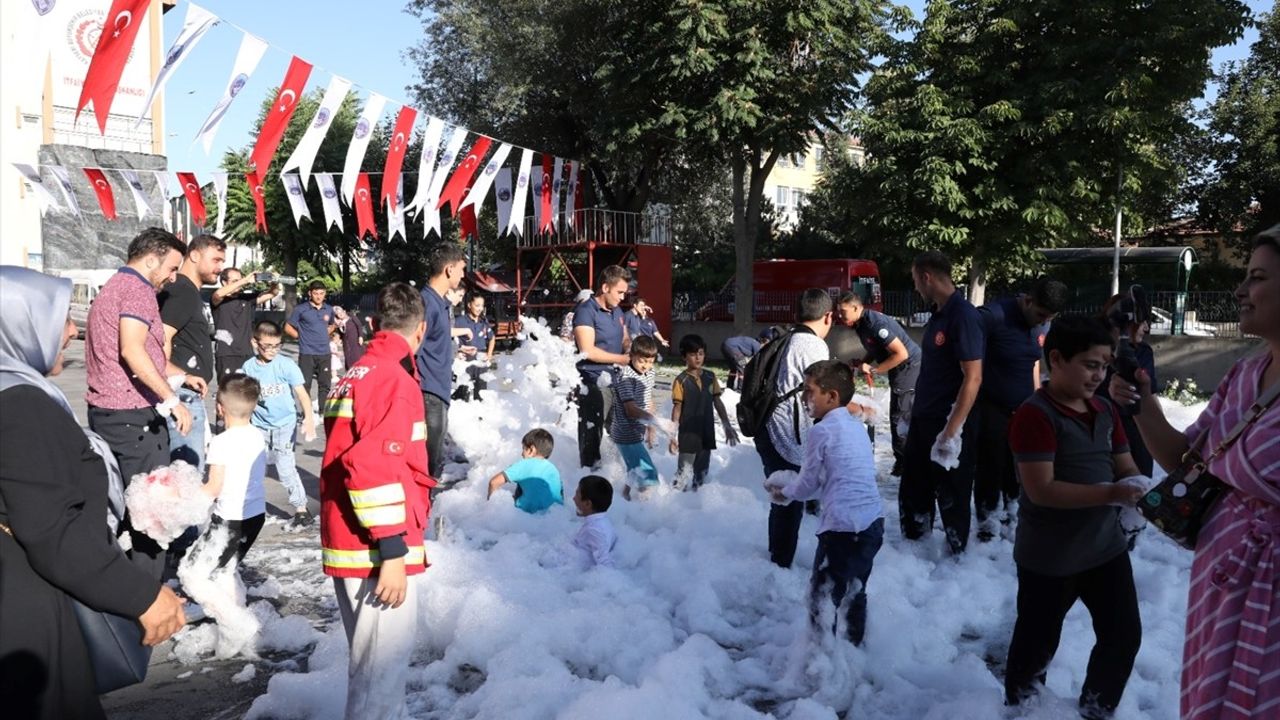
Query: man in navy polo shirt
[[601, 335], [1015, 328], [890, 352], [446, 264], [938, 463], [311, 324]]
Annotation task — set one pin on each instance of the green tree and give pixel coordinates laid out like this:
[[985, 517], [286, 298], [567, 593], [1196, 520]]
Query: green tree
[[1005, 126], [1240, 192]]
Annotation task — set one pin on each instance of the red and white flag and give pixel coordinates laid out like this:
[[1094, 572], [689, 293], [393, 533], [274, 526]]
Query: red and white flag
[[329, 200], [45, 198], [64, 184], [277, 121], [360, 137], [194, 27], [364, 208], [545, 219], [461, 178], [247, 59], [259, 202], [304, 154], [571, 197], [467, 225], [102, 188], [297, 199], [191, 188], [430, 205], [115, 41], [427, 162], [400, 136], [480, 189], [515, 223]]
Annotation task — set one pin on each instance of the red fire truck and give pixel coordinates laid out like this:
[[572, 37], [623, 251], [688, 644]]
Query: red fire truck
[[778, 283]]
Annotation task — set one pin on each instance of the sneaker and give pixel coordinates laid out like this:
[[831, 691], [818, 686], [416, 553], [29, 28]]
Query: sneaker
[[897, 468], [987, 530], [302, 519]]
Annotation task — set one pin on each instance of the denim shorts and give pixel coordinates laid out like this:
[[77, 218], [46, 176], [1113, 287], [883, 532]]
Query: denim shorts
[[640, 467]]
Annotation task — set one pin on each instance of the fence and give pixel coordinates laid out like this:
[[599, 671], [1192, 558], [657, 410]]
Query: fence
[[1203, 314]]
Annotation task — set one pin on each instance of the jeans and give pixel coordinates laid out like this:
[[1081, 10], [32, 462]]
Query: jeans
[[1043, 601], [784, 520], [437, 412], [319, 367], [844, 558], [280, 442], [190, 447], [927, 490]]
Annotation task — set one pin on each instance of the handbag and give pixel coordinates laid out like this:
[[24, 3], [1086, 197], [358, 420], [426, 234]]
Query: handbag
[[114, 643], [1179, 505]]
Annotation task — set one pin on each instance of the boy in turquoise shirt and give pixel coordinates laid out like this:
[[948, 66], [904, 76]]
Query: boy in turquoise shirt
[[537, 481]]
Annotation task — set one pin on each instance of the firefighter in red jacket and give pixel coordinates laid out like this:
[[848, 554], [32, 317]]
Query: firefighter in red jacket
[[374, 504]]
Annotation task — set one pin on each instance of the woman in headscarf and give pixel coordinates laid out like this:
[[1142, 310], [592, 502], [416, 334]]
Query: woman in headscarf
[[56, 542]]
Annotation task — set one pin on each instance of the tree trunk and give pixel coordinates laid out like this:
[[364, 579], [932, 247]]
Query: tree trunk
[[977, 282], [291, 269], [745, 251]]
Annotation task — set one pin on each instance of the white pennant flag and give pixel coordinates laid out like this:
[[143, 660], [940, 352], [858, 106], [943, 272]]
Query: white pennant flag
[[304, 155], [556, 184], [502, 190], [427, 162], [194, 27], [140, 201], [45, 198], [480, 188], [570, 202], [395, 218], [220, 188], [162, 186], [431, 218], [329, 198], [360, 142], [516, 223], [297, 200], [247, 59], [64, 184]]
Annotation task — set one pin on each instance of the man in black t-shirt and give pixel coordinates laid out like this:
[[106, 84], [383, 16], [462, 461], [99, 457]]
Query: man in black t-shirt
[[233, 305], [188, 336]]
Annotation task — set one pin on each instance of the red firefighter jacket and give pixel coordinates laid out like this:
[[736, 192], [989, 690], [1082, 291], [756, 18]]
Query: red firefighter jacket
[[374, 482]]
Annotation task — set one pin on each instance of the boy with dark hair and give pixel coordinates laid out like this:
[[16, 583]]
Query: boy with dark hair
[[1072, 453], [237, 465], [633, 419], [374, 505], [596, 537], [838, 469], [276, 415], [1015, 329], [537, 481], [694, 393]]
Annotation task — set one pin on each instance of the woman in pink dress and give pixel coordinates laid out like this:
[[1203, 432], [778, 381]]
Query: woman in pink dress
[[1231, 659]]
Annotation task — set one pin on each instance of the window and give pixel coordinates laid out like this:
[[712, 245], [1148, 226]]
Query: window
[[797, 160], [820, 156]]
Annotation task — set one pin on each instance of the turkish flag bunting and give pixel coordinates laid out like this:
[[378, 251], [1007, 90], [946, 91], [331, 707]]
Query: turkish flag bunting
[[259, 201], [191, 188], [395, 156], [119, 30], [277, 121], [102, 188], [364, 208], [547, 217], [457, 186], [467, 224]]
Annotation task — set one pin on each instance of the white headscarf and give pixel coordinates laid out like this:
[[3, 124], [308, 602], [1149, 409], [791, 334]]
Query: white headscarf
[[33, 315]]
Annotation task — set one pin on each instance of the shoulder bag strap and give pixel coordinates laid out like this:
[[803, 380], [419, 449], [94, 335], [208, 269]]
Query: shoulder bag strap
[[1255, 411]]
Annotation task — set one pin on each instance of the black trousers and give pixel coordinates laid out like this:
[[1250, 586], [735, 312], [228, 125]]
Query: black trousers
[[437, 412], [593, 416], [928, 490], [697, 463], [902, 395], [844, 558], [139, 439], [784, 520], [995, 483], [227, 364], [1043, 601], [240, 536], [320, 368]]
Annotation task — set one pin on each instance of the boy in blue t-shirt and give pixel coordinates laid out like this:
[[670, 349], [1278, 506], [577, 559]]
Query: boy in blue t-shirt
[[537, 481], [276, 416]]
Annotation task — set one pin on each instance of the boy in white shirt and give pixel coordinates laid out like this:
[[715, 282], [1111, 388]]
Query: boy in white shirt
[[237, 462], [839, 470], [595, 538]]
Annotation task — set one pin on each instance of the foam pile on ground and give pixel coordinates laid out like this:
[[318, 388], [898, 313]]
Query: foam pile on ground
[[695, 621], [219, 592]]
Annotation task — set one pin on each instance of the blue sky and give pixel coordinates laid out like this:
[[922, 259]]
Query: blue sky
[[364, 42]]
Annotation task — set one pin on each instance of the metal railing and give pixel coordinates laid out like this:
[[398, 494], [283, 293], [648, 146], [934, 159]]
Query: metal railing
[[600, 225]]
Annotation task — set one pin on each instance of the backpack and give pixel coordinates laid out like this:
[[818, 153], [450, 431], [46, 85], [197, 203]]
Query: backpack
[[759, 399]]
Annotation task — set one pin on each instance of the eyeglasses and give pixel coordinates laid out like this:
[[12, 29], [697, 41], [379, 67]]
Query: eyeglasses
[[269, 346]]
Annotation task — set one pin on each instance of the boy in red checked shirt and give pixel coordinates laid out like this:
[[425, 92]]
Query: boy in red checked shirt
[[374, 504]]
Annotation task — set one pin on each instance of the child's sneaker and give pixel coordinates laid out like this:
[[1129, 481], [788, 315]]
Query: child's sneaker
[[301, 519]]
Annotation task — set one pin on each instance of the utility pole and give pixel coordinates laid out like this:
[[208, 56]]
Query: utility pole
[[1115, 264]]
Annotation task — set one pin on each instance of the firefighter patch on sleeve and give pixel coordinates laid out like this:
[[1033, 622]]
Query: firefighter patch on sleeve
[[419, 431]]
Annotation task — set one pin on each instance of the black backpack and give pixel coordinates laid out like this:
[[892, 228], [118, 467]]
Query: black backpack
[[759, 399]]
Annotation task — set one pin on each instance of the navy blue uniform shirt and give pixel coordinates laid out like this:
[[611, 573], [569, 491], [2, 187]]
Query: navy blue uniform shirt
[[743, 345], [953, 335], [435, 355], [608, 325], [877, 330], [312, 324], [480, 329], [1013, 348]]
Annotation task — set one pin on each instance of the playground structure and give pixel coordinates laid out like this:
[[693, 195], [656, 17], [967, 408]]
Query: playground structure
[[553, 267]]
